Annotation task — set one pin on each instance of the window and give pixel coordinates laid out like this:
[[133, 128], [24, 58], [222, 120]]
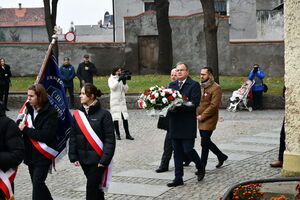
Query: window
[[149, 6], [220, 7]]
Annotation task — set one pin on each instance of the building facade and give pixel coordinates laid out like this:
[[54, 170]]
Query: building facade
[[22, 25], [248, 20]]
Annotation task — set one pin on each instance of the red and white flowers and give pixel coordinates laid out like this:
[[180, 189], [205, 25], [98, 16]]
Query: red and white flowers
[[159, 98]]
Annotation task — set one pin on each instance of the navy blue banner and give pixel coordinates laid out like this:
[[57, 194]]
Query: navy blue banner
[[53, 83]]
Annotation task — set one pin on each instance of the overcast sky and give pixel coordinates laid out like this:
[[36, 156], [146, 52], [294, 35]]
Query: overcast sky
[[81, 12]]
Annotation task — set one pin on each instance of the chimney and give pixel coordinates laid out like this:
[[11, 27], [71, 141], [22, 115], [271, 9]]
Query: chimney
[[20, 6]]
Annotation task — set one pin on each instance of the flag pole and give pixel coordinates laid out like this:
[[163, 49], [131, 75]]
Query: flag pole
[[47, 56]]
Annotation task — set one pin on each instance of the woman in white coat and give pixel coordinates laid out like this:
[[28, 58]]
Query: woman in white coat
[[118, 108]]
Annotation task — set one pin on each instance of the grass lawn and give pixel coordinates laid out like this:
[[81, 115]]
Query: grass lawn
[[139, 83]]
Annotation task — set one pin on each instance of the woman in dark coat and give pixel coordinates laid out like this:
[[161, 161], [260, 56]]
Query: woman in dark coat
[[11, 144], [81, 151], [45, 123], [5, 75]]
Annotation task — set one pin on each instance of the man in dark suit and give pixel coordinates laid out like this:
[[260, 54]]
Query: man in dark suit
[[183, 124]]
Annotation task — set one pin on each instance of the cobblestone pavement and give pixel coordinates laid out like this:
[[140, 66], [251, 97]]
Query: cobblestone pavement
[[147, 148]]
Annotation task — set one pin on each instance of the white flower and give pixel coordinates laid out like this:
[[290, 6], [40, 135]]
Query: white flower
[[144, 104], [142, 96], [174, 95], [164, 100], [179, 95], [152, 88], [156, 95], [162, 94], [152, 101]]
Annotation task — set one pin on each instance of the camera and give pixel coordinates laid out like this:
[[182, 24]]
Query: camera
[[125, 75]]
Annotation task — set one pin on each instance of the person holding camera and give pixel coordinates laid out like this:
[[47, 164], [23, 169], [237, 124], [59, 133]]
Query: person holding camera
[[85, 71], [257, 75], [118, 108]]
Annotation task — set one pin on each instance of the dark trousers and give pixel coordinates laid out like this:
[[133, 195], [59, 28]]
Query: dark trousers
[[93, 175], [207, 145], [257, 100], [38, 175], [167, 154], [282, 143], [186, 146], [71, 94], [4, 89]]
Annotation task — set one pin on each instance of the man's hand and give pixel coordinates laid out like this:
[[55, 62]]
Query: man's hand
[[86, 68], [22, 126], [100, 165], [82, 82], [199, 117], [77, 163]]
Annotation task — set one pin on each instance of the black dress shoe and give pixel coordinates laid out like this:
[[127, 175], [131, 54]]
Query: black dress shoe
[[129, 137], [6, 109], [175, 183], [118, 137], [221, 161], [200, 174], [160, 170]]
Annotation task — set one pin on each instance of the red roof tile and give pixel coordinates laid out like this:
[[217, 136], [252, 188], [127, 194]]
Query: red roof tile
[[22, 17]]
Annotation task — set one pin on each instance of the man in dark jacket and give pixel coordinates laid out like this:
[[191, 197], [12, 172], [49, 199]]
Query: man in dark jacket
[[68, 73], [183, 124], [85, 71], [11, 144], [5, 75]]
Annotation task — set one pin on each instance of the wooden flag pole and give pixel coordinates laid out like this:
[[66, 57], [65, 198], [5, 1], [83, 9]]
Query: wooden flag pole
[[47, 56]]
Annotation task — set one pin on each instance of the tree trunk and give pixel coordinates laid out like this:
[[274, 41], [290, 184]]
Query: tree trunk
[[50, 19], [210, 32], [165, 57]]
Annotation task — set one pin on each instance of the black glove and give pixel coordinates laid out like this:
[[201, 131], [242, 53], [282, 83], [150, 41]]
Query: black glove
[[255, 69], [124, 81]]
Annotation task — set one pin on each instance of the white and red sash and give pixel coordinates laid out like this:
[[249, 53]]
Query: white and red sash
[[6, 178], [95, 142], [45, 150]]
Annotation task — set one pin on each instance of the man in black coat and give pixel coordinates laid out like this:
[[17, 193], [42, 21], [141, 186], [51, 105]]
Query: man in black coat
[[183, 124], [11, 144], [5, 75], [85, 71]]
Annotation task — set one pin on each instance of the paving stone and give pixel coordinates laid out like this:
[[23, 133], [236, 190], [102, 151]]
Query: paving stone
[[258, 140], [147, 147], [152, 174], [269, 135], [242, 147], [231, 156], [133, 189]]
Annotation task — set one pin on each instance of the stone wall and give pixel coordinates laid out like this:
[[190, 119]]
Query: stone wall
[[26, 58], [269, 55], [26, 34], [291, 158], [17, 99]]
